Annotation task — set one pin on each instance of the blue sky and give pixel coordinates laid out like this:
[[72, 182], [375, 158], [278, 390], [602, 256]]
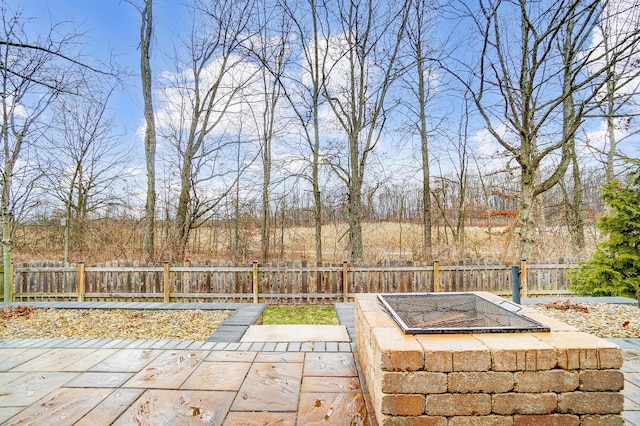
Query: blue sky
[[112, 27]]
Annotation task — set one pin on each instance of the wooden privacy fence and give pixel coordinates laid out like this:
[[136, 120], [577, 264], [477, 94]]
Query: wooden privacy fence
[[293, 282]]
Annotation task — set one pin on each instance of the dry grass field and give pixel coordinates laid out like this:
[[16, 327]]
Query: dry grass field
[[105, 241]]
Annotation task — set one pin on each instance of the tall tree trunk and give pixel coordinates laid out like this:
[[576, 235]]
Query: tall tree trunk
[[527, 215], [265, 225], [183, 215], [146, 33], [355, 202], [569, 126], [577, 219], [424, 143], [315, 166]]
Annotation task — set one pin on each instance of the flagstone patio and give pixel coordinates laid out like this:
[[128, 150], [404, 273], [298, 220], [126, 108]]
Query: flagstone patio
[[287, 378]]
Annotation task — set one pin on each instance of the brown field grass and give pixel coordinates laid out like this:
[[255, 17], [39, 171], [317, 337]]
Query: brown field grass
[[105, 241]]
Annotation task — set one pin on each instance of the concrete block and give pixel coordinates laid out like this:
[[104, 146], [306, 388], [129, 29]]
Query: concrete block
[[403, 405], [601, 380], [546, 381], [422, 382], [524, 403], [591, 402], [458, 404], [480, 382]]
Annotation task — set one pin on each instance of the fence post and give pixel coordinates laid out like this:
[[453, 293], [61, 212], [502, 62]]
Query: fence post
[[81, 282], [255, 281], [436, 276], [515, 284], [523, 277], [345, 281], [165, 280]]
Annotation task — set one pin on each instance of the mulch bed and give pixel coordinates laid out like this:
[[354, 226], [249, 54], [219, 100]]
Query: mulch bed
[[600, 319], [26, 322]]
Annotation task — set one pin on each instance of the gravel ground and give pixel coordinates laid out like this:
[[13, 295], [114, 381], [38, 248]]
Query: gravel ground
[[25, 322], [600, 319]]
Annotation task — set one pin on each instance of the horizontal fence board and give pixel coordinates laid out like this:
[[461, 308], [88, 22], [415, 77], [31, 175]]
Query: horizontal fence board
[[279, 282]]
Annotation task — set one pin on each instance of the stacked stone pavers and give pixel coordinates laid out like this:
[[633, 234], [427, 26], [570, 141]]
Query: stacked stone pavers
[[564, 377]]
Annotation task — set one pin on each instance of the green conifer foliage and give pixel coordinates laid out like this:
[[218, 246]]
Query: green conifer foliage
[[614, 269]]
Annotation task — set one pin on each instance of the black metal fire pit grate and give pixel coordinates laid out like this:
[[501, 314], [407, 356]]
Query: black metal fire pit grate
[[438, 313]]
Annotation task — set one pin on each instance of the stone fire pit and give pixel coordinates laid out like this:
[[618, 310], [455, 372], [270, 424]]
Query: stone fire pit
[[561, 377]]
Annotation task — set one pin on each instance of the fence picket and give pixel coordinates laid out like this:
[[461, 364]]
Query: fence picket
[[279, 282]]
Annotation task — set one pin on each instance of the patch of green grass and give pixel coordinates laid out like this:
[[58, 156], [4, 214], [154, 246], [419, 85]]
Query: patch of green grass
[[316, 314]]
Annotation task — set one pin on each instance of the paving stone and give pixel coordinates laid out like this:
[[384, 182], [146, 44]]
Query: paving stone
[[91, 359], [10, 358], [159, 343], [632, 418], [184, 344], [233, 346], [145, 344], [330, 384], [270, 387], [127, 360], [296, 333], [196, 344], [114, 343], [62, 359], [227, 334], [249, 418], [88, 344], [344, 347], [280, 357], [161, 406], [8, 412], [220, 346], [219, 376], [29, 388], [110, 408], [330, 364], [269, 347], [307, 346], [8, 377], [207, 346], [120, 343], [61, 407], [332, 408], [171, 344], [168, 371], [633, 378], [245, 346], [631, 404], [99, 380], [319, 347], [231, 356]]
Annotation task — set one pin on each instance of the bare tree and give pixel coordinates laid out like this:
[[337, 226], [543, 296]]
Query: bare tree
[[146, 37], [269, 50], [35, 69], [520, 88], [84, 168], [311, 25], [365, 66], [201, 103], [421, 70], [618, 99]]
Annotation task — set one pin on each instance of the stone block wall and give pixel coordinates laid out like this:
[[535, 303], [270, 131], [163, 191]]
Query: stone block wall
[[564, 377]]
